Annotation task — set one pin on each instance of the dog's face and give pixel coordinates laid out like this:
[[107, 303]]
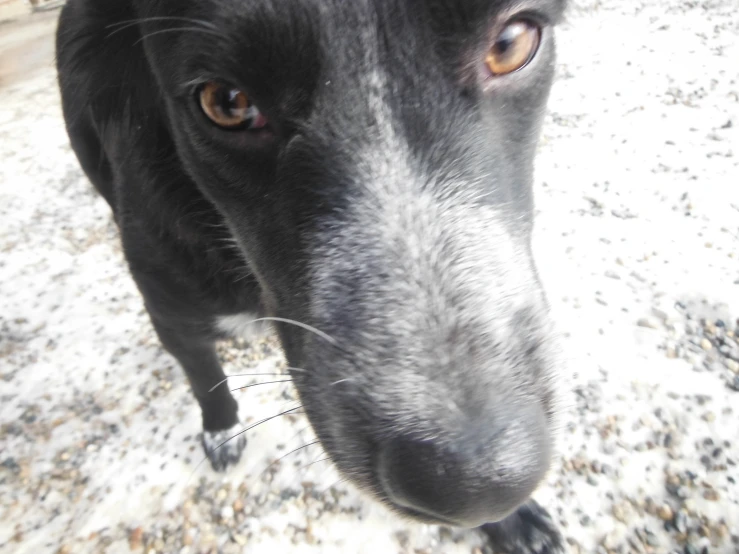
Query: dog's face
[[373, 159]]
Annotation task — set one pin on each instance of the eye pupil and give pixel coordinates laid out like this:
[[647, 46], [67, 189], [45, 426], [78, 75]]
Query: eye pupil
[[504, 42], [502, 46]]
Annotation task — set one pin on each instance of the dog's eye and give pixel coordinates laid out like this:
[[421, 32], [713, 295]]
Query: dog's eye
[[514, 47], [229, 108]]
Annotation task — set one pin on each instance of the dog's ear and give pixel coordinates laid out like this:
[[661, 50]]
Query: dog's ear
[[100, 55]]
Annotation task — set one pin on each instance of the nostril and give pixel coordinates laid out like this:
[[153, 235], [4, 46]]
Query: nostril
[[415, 476], [478, 477]]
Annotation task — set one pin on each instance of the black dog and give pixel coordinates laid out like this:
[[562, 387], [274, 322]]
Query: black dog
[[361, 172]]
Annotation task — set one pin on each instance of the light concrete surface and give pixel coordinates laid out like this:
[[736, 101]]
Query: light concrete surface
[[13, 9], [26, 47], [637, 240]]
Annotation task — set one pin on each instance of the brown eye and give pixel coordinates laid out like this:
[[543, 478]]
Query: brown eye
[[514, 47], [229, 108]]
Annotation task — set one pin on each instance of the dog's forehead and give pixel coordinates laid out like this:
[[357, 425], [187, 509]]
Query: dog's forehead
[[280, 42], [340, 17]]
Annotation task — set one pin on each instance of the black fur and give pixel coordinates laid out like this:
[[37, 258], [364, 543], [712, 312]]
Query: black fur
[[388, 205]]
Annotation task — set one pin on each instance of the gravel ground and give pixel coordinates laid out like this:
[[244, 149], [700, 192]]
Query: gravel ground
[[637, 241]]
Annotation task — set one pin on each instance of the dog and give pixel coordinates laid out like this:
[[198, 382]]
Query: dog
[[359, 173]]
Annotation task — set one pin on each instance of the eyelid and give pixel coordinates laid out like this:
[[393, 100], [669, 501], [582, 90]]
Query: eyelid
[[186, 88], [544, 12], [534, 16], [507, 17]]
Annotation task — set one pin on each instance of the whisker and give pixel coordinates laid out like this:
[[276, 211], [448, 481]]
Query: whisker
[[332, 485], [215, 226], [119, 29], [227, 246], [161, 18], [265, 383], [128, 23], [327, 458], [299, 324], [229, 240], [244, 276], [296, 369], [177, 30], [266, 469], [241, 268], [219, 383], [250, 427], [303, 430]]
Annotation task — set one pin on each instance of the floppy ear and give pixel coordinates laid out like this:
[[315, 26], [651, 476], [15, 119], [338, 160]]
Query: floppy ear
[[107, 88], [101, 60]]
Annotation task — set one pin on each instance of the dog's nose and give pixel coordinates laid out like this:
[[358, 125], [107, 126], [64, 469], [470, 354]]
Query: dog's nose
[[480, 476]]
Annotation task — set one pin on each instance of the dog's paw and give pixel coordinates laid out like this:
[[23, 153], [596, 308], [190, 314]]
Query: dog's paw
[[529, 530], [223, 448]]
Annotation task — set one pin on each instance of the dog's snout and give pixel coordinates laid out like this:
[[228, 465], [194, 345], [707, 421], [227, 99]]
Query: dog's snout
[[481, 475]]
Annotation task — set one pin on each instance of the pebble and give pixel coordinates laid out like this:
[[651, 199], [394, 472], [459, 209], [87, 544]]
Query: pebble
[[619, 512], [664, 314], [611, 540], [636, 545], [403, 537], [681, 521], [664, 512], [134, 538], [648, 323], [650, 538]]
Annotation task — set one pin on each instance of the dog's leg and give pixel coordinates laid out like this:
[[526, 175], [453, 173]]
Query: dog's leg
[[195, 351], [529, 530]]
